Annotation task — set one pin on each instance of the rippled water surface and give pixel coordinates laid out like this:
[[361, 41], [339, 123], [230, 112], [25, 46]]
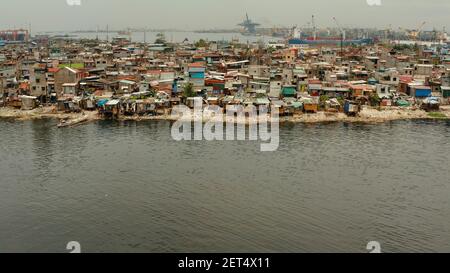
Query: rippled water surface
[[128, 187]]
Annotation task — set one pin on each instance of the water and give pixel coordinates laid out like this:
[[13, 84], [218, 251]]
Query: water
[[174, 36], [128, 187]]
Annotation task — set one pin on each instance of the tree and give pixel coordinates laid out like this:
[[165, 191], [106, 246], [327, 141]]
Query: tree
[[374, 99], [201, 43], [189, 90], [324, 98]]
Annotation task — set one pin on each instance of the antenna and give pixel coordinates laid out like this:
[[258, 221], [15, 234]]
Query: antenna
[[314, 28], [29, 31]]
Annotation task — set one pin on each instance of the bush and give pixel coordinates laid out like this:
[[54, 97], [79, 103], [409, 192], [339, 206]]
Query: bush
[[437, 115]]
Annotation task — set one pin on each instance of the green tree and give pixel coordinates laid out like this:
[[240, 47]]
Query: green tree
[[324, 98], [189, 90], [374, 99], [201, 43]]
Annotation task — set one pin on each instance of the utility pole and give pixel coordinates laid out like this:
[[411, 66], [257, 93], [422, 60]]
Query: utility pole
[[314, 28]]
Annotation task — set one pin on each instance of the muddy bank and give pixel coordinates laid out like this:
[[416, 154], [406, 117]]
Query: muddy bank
[[371, 116], [367, 115], [45, 112]]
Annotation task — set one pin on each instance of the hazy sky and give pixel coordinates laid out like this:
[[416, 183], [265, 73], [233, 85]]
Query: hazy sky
[[47, 15]]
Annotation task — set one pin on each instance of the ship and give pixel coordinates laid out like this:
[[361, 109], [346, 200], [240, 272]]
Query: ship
[[330, 41], [124, 33]]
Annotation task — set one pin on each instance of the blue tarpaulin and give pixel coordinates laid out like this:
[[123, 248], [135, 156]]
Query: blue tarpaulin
[[102, 102]]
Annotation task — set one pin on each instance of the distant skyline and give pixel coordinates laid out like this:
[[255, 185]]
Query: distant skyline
[[57, 15]]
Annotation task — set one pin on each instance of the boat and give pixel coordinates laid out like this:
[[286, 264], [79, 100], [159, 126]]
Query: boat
[[124, 33], [72, 122], [431, 104]]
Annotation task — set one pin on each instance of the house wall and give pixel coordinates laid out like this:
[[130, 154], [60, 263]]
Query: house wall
[[65, 76], [38, 83], [259, 71], [383, 90]]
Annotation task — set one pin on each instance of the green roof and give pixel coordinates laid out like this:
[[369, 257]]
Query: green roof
[[288, 91]]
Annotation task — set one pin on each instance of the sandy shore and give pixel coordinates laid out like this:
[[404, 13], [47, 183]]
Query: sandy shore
[[367, 115], [44, 112]]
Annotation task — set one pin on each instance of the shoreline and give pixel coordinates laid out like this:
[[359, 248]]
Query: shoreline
[[368, 115]]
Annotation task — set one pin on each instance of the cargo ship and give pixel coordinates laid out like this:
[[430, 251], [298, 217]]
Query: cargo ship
[[330, 41]]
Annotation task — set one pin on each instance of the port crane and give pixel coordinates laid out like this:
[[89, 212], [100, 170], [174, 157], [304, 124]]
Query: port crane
[[343, 35], [414, 35], [388, 33], [249, 25], [313, 22], [443, 37], [340, 29]]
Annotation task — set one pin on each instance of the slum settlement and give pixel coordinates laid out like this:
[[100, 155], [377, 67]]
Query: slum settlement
[[121, 79]]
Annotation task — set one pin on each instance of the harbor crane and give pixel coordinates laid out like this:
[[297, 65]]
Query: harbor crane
[[415, 33], [248, 25], [340, 29], [313, 22], [388, 33], [343, 35]]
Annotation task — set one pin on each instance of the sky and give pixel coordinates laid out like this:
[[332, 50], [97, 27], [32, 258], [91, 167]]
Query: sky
[[58, 15]]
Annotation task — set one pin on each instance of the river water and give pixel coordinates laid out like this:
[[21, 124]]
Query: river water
[[128, 187], [173, 36]]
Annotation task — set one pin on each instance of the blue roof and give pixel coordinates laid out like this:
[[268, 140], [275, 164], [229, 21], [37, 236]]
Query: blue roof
[[102, 102]]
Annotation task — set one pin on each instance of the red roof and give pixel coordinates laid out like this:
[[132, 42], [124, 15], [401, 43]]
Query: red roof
[[154, 72], [196, 65], [406, 79], [24, 86], [312, 81], [53, 70]]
